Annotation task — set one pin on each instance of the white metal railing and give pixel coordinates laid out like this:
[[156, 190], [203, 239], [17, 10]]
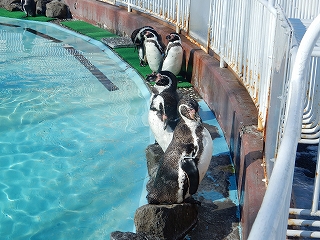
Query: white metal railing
[[256, 43], [175, 12], [244, 41], [271, 221], [300, 8]]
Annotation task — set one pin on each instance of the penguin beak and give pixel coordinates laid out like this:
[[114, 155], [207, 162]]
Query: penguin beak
[[168, 37], [165, 121], [151, 78], [194, 115]]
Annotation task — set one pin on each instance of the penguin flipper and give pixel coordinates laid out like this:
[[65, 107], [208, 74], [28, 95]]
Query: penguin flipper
[[189, 167]]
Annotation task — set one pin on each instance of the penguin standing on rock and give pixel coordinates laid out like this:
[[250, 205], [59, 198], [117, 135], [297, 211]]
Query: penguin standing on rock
[[163, 114], [186, 160], [154, 50], [173, 54], [137, 38], [29, 7]]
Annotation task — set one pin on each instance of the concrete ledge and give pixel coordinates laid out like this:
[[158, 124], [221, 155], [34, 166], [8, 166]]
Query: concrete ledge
[[221, 90]]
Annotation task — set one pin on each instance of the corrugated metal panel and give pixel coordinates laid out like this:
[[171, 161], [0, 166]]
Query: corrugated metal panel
[[300, 8]]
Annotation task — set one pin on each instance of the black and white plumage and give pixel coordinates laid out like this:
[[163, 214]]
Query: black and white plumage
[[137, 38], [163, 114], [173, 54], [29, 7], [154, 50], [185, 161]]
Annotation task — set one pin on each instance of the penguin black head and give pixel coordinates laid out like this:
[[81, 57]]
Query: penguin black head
[[150, 34], [137, 35], [173, 37], [164, 80], [188, 108]]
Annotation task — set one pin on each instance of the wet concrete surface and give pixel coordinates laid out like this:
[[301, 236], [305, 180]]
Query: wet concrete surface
[[219, 213], [218, 216]]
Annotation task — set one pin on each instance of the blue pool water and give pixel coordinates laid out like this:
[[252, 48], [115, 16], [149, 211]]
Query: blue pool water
[[73, 133]]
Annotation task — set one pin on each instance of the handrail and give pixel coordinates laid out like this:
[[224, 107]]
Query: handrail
[[271, 221]]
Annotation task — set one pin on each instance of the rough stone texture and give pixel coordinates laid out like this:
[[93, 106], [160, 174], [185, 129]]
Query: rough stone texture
[[153, 154], [11, 5], [217, 219], [166, 221], [49, 8], [117, 235], [118, 42], [41, 6], [57, 9], [221, 90]]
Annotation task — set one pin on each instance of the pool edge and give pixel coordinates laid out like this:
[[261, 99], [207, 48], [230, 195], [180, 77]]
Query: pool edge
[[219, 88]]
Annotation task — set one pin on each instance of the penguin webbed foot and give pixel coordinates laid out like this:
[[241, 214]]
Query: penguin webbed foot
[[143, 63]]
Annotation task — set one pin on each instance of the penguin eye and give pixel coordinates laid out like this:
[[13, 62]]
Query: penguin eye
[[164, 80]]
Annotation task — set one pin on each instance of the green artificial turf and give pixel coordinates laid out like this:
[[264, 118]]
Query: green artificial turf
[[22, 15], [128, 54], [88, 29]]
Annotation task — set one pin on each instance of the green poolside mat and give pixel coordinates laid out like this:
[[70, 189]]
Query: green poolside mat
[[131, 57], [128, 54], [22, 15], [88, 29]]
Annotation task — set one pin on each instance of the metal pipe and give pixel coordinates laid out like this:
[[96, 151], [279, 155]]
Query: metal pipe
[[315, 200], [276, 202], [303, 222], [302, 233], [223, 35]]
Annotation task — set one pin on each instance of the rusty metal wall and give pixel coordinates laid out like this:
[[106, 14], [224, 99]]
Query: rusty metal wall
[[280, 73], [300, 8], [242, 33], [172, 11], [245, 42]]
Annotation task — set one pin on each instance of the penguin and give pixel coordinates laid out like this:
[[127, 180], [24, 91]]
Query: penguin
[[163, 115], [137, 38], [173, 54], [186, 160], [29, 7], [154, 50]]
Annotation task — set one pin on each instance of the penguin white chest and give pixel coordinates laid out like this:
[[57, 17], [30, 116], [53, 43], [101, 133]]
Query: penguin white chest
[[206, 155], [163, 133], [173, 60], [153, 55]]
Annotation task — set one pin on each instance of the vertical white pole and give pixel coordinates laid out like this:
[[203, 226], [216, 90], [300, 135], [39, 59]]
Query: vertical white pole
[[178, 16], [316, 190], [129, 5], [223, 35]]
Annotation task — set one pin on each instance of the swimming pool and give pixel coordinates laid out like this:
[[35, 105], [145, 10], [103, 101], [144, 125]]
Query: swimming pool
[[73, 133]]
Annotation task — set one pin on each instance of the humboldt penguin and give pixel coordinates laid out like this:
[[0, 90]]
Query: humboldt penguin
[[163, 115], [186, 160], [173, 54], [137, 38], [29, 7], [154, 50]]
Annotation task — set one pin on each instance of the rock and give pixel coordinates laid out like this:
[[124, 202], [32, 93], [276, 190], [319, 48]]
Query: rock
[[153, 154], [171, 222], [11, 5], [41, 6], [117, 235], [57, 9]]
